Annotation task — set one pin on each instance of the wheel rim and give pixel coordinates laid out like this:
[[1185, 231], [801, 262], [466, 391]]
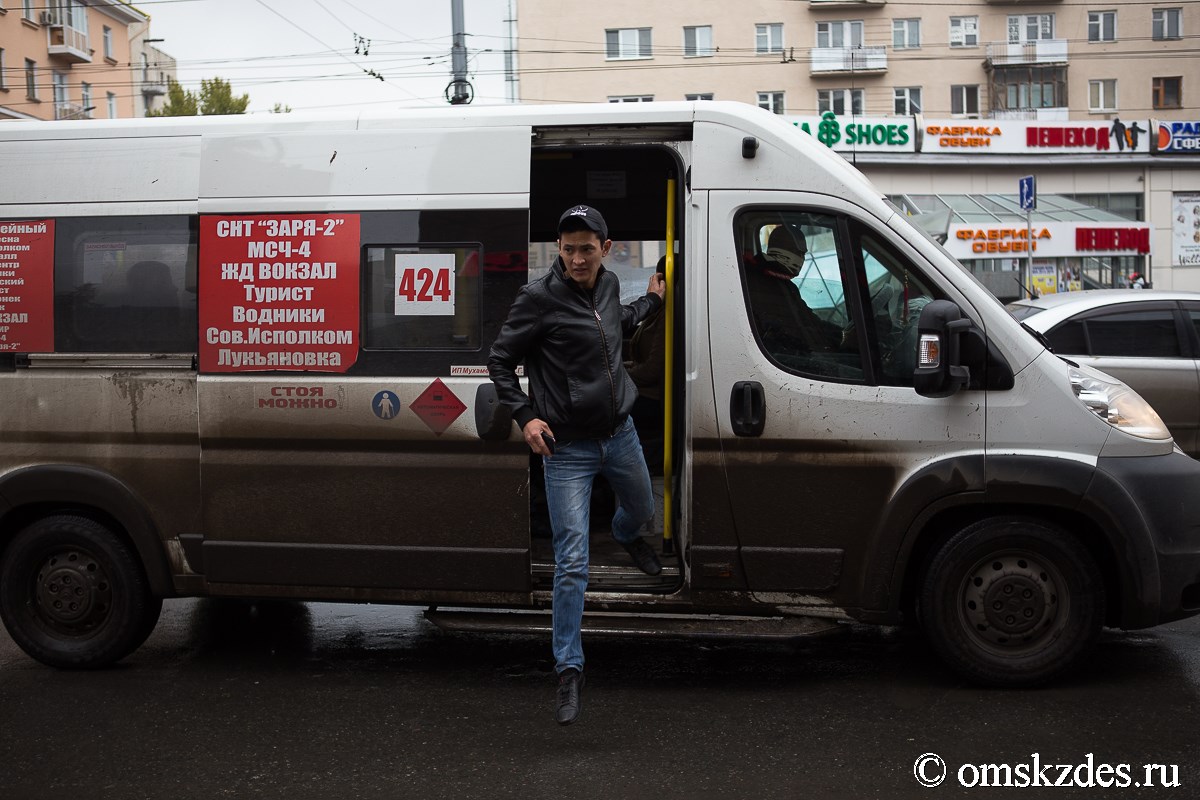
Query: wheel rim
[[1014, 601], [72, 592]]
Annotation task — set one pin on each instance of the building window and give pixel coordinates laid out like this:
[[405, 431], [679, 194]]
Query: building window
[[31, 79], [907, 100], [700, 96], [75, 15], [1102, 95], [768, 38], [1102, 26], [697, 41], [3, 83], [628, 43], [1030, 28], [112, 105], [59, 82], [771, 101], [85, 96], [964, 31], [840, 101], [631, 98], [1167, 23], [1168, 92], [1029, 88], [1128, 205], [964, 101], [108, 42], [27, 9], [840, 33], [906, 33]]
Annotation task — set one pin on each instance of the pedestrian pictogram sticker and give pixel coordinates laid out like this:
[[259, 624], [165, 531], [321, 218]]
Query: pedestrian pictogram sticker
[[385, 405], [438, 407]]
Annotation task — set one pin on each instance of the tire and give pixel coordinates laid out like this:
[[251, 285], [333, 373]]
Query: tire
[[1012, 601], [73, 594]]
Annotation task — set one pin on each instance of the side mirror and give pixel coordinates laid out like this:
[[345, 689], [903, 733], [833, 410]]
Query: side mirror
[[493, 420], [940, 371]]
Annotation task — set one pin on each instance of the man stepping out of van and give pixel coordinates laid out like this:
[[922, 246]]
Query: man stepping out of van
[[568, 327]]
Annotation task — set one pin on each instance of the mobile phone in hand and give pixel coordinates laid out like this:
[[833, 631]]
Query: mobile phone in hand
[[549, 440]]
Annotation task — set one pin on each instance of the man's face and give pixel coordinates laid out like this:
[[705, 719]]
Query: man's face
[[581, 253]]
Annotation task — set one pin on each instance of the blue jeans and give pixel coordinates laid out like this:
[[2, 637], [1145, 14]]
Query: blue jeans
[[569, 475]]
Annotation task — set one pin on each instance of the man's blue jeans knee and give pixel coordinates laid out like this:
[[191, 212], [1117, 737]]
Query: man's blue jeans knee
[[569, 475]]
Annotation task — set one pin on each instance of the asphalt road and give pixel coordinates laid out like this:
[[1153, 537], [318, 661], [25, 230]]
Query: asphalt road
[[299, 701]]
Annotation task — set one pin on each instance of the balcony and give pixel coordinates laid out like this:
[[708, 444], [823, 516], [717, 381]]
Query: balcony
[[66, 42], [1036, 114], [1045, 51], [814, 5], [154, 88], [71, 111], [837, 60]]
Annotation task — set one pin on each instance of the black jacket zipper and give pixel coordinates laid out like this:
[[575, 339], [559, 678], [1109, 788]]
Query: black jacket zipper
[[612, 384]]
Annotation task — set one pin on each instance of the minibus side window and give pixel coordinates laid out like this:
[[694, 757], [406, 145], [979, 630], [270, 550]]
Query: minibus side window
[[809, 278], [125, 284], [793, 276], [422, 297], [897, 295]]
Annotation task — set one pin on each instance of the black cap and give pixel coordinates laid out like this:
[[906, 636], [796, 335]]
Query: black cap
[[589, 217]]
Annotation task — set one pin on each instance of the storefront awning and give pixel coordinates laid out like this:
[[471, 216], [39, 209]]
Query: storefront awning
[[993, 209]]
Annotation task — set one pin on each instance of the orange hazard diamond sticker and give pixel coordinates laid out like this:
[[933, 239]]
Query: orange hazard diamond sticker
[[438, 407]]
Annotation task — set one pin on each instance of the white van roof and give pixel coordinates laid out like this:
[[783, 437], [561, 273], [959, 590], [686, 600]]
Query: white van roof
[[477, 150]]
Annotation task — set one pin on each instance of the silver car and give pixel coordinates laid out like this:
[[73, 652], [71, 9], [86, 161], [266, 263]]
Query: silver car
[[1146, 338]]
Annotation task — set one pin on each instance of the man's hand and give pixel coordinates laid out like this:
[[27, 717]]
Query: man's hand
[[658, 285], [533, 436]]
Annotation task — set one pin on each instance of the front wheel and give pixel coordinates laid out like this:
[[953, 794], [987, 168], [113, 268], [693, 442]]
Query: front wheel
[[73, 593], [1012, 601]]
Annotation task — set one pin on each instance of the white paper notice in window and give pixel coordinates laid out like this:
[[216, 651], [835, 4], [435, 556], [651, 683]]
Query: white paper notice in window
[[425, 284]]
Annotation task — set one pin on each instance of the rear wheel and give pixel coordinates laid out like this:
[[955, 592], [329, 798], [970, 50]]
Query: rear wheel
[[73, 593], [1012, 601]]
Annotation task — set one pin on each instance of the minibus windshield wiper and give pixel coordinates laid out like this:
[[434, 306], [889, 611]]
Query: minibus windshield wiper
[[1041, 337]]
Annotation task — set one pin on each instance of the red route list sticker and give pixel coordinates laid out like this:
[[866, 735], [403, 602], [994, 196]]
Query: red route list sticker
[[438, 407], [279, 292], [27, 286]]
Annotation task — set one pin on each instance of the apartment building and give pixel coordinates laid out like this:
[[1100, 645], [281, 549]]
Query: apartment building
[[71, 59], [944, 106], [152, 68]]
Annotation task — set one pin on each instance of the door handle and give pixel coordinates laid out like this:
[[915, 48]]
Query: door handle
[[747, 408]]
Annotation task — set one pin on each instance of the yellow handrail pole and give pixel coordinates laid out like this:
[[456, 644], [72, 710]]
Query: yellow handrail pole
[[669, 374]]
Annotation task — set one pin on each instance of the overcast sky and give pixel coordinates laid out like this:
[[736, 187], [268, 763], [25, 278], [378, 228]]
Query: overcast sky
[[301, 53]]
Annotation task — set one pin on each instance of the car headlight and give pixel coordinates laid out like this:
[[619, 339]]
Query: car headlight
[[1117, 404]]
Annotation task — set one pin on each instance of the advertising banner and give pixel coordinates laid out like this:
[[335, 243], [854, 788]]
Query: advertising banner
[[1185, 230], [1177, 137], [27, 286], [279, 292], [1044, 277], [962, 137], [1048, 240]]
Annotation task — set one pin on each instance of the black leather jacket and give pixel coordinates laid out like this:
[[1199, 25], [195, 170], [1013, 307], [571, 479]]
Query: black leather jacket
[[570, 340]]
